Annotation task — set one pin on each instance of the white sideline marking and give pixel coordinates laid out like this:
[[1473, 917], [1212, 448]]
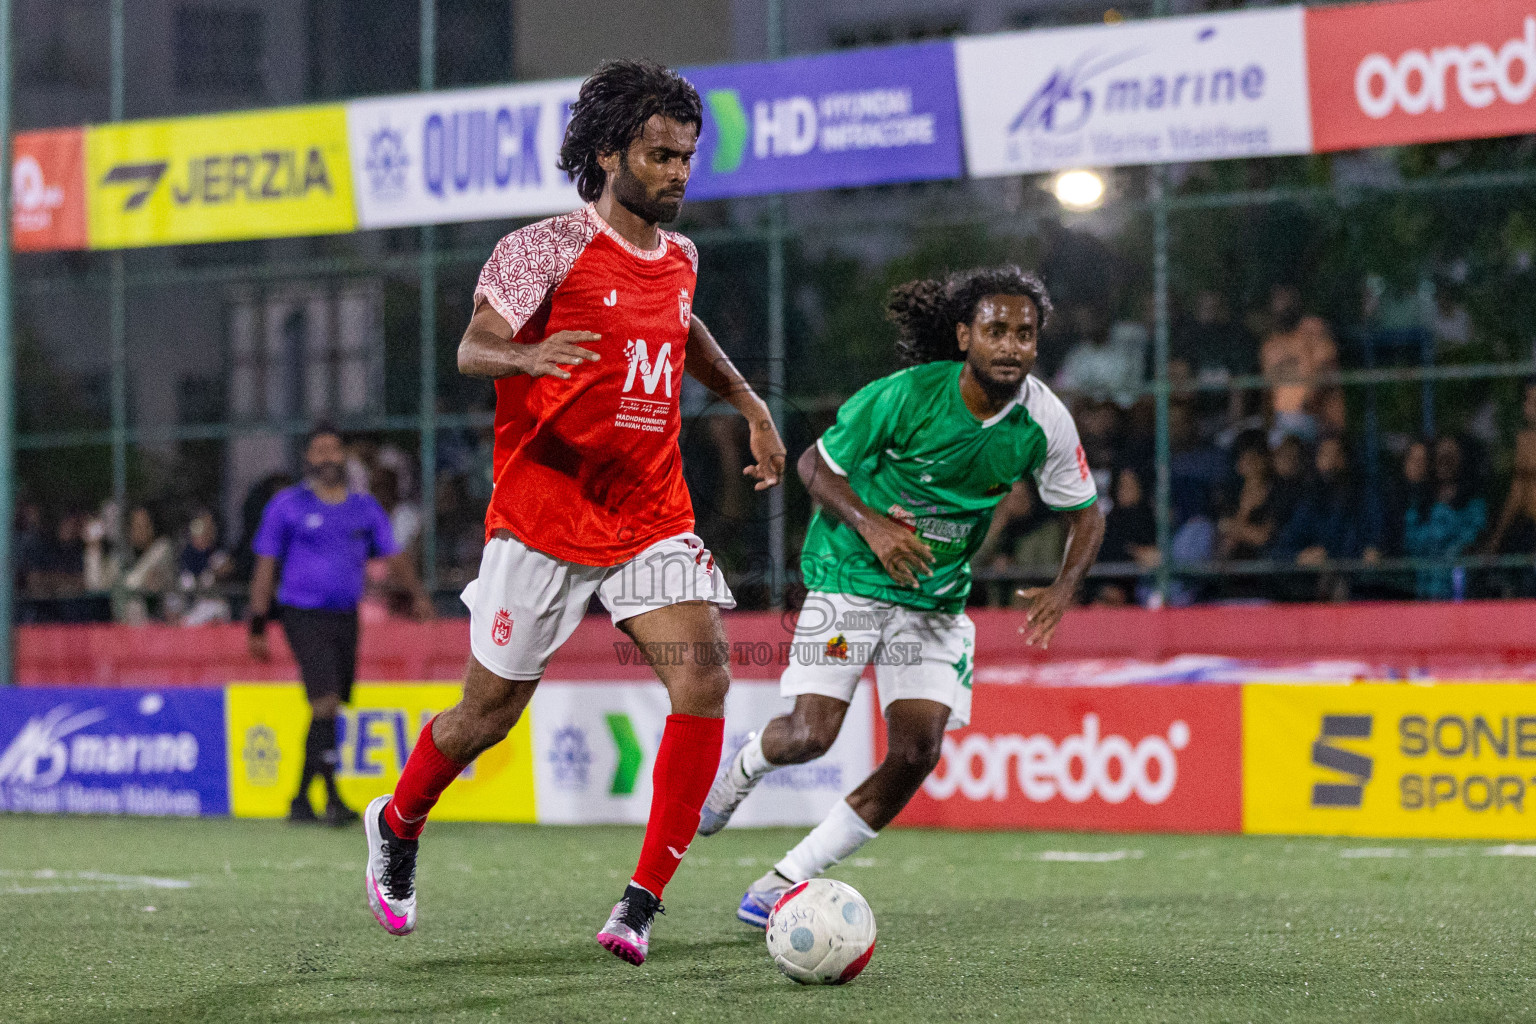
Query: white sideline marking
[[1089, 857], [82, 881], [1511, 850], [1365, 852]]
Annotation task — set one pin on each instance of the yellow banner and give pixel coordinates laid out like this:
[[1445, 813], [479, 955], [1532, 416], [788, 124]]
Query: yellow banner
[[262, 174], [1390, 760], [268, 724]]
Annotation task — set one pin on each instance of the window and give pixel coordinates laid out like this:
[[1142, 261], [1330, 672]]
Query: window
[[219, 50]]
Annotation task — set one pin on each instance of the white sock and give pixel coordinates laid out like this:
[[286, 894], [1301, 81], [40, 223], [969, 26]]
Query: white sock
[[753, 762], [838, 836]]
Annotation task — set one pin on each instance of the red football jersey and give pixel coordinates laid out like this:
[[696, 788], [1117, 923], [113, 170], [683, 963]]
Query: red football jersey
[[588, 469]]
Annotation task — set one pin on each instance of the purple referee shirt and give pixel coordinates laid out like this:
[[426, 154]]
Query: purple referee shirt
[[323, 548]]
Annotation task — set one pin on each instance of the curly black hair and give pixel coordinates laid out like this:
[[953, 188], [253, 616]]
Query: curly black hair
[[611, 111], [926, 311]]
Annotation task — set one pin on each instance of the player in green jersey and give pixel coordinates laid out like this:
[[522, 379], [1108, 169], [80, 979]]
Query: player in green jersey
[[905, 483]]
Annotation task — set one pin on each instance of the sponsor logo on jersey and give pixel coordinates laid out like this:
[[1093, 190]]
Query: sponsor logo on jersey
[[684, 307], [643, 370], [501, 629]]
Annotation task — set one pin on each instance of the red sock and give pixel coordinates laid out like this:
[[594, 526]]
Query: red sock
[[426, 774], [685, 769]]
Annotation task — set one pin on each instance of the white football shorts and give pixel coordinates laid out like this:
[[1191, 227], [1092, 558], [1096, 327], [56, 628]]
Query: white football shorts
[[525, 604], [917, 655]]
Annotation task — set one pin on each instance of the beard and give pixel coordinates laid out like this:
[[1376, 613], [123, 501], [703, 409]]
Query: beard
[[631, 194], [1000, 392], [328, 474]]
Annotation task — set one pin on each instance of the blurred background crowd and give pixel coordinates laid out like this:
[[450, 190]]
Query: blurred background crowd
[[1276, 493]]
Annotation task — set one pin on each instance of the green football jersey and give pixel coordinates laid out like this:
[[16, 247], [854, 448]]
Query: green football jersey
[[911, 449]]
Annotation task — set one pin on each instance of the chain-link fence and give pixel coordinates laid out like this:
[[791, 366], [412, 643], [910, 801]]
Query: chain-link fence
[[1295, 379]]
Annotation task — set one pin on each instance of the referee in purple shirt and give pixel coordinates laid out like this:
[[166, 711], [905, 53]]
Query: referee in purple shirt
[[324, 536]]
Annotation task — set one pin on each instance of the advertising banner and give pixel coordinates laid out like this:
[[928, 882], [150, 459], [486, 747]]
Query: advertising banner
[[596, 746], [1388, 74], [469, 154], [1112, 759], [261, 174], [1390, 760], [376, 733], [865, 117], [48, 190], [1147, 92], [83, 750]]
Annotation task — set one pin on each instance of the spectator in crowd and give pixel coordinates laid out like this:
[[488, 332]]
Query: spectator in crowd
[[1515, 531], [30, 538], [1212, 348], [404, 516], [1212, 343], [1104, 365], [1334, 520], [1099, 428], [250, 519], [1445, 521], [1130, 536], [1412, 488], [1248, 523], [1298, 349], [203, 566], [150, 560], [1288, 461], [388, 591], [460, 529], [1250, 514], [1199, 471], [1023, 534], [59, 570]]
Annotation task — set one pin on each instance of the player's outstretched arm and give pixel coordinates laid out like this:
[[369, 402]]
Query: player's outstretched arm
[[487, 349], [708, 364], [1047, 605], [903, 554]]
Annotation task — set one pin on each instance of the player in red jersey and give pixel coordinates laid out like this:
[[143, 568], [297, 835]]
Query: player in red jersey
[[584, 321]]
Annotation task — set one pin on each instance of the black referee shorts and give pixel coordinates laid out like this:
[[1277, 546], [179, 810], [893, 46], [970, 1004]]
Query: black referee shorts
[[325, 645]]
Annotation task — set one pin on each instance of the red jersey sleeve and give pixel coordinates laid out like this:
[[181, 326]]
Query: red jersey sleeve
[[530, 263]]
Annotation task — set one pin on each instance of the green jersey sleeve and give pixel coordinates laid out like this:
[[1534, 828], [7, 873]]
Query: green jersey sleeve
[[866, 423]]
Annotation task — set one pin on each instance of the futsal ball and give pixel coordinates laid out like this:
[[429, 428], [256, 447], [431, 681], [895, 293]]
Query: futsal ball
[[821, 932]]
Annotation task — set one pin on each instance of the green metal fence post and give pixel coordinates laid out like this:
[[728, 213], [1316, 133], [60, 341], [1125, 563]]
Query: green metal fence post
[[1163, 450], [117, 321], [776, 230], [427, 413], [7, 370]]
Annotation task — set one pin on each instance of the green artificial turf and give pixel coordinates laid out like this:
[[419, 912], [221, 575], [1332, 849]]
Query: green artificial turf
[[275, 928]]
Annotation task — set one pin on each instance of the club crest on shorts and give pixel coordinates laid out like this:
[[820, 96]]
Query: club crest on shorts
[[837, 647], [684, 306], [501, 629]]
